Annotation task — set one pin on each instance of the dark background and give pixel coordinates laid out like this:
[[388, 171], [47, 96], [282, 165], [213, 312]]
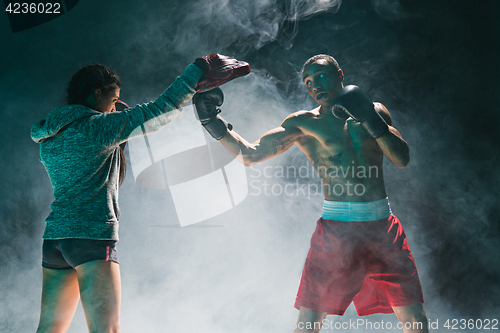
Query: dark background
[[434, 64]]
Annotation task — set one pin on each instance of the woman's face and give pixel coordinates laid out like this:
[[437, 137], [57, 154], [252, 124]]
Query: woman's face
[[106, 102]]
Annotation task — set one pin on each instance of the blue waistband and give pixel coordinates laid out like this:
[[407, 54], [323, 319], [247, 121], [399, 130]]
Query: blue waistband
[[356, 211]]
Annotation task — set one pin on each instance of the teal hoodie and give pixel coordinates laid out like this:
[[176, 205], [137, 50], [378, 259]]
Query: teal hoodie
[[79, 150]]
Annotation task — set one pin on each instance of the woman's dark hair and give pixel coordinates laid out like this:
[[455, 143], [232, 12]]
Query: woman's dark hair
[[88, 79], [85, 82]]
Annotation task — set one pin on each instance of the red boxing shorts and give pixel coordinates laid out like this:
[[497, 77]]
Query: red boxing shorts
[[366, 262]]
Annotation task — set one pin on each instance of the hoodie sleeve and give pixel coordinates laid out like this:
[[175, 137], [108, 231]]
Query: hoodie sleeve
[[117, 127], [37, 133]]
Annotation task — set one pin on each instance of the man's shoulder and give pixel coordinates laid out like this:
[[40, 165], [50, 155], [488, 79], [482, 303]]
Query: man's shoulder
[[299, 117]]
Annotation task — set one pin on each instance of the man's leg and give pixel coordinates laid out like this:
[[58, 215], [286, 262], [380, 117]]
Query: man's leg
[[309, 321], [412, 317], [100, 289], [59, 300]]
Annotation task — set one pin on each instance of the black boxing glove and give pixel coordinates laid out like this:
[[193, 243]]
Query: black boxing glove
[[360, 108], [339, 112], [206, 105], [202, 64]]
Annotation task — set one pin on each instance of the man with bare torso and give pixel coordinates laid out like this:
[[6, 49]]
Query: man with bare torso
[[359, 251]]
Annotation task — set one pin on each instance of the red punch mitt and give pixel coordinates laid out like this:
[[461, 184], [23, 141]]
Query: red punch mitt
[[221, 69]]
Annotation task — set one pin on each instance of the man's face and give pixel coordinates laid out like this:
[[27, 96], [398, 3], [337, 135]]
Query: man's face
[[322, 81]]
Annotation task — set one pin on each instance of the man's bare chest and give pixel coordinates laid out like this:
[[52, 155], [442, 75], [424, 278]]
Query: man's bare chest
[[331, 141]]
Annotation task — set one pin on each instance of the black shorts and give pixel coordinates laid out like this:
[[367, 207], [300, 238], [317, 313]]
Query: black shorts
[[71, 252]]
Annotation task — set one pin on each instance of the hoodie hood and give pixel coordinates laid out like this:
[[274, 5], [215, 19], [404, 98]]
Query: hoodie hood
[[57, 119]]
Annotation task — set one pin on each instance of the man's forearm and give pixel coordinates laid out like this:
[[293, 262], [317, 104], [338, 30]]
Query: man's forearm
[[273, 143], [394, 147], [239, 147]]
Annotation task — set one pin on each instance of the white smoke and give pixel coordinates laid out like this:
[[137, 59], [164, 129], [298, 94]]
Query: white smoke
[[251, 24]]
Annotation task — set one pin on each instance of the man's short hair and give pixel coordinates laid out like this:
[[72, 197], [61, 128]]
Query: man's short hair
[[329, 59]]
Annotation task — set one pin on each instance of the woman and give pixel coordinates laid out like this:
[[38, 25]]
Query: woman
[[79, 148]]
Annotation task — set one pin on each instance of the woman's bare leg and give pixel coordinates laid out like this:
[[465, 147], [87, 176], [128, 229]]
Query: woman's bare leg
[[60, 295], [100, 290]]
